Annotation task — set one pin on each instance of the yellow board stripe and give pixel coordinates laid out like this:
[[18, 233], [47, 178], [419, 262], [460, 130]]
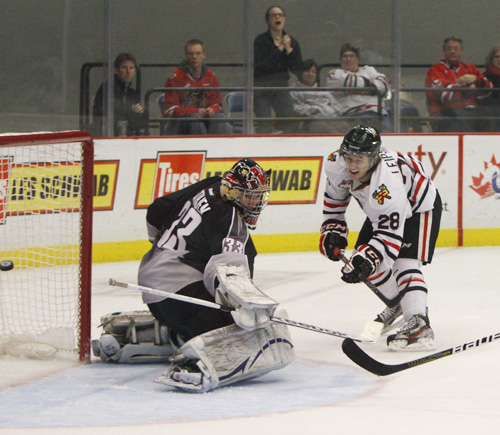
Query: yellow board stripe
[[270, 243], [60, 255]]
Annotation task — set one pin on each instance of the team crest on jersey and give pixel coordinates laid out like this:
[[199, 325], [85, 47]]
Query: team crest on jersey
[[345, 184], [333, 156], [382, 194]]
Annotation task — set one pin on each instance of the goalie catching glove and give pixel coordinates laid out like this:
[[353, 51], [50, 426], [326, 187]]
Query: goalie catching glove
[[362, 264], [252, 308], [333, 240]]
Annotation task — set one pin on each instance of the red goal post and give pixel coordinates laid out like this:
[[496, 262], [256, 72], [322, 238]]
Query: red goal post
[[46, 196]]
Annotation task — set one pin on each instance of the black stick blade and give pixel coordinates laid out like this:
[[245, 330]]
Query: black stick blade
[[362, 359]]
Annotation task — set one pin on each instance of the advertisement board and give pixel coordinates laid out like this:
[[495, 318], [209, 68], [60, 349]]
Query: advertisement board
[[131, 172]]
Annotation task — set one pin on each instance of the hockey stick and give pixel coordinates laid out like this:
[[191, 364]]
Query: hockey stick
[[391, 303], [365, 361], [225, 308]]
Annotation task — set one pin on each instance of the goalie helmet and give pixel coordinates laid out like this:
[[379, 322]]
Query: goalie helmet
[[362, 140], [247, 186]]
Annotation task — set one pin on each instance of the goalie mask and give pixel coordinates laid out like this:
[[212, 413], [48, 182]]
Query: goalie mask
[[362, 141], [247, 186]]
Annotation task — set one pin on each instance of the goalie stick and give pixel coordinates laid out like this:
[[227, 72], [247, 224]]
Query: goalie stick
[[362, 359], [391, 303], [216, 306]]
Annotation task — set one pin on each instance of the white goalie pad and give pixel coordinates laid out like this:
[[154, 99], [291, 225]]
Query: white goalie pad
[[228, 355], [133, 337], [253, 309]]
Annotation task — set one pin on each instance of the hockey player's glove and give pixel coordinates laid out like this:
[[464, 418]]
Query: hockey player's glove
[[333, 240], [252, 308], [362, 264]]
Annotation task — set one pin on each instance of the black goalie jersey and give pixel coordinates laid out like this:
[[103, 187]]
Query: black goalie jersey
[[192, 230]]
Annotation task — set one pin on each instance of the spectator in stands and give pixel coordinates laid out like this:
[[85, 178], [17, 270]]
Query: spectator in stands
[[128, 114], [450, 74], [492, 73], [204, 106], [359, 105], [314, 104], [276, 53]]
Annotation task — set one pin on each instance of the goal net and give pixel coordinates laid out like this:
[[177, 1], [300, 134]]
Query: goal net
[[46, 232]]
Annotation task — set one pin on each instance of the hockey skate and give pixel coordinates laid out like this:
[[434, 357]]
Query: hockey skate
[[387, 320], [188, 375], [416, 334]]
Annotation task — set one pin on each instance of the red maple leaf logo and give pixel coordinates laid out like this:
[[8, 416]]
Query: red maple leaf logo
[[482, 184]]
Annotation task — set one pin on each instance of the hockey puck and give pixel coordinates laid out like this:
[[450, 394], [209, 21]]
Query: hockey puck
[[6, 265]]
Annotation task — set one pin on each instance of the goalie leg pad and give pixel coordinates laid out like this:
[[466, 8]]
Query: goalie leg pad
[[133, 337], [228, 355]]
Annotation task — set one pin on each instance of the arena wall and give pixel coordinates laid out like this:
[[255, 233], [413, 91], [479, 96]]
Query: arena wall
[[131, 172]]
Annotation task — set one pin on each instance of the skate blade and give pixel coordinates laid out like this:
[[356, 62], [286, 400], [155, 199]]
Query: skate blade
[[166, 380], [421, 345]]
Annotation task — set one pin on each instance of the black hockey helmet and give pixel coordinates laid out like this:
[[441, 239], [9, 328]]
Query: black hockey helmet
[[362, 140], [247, 185]]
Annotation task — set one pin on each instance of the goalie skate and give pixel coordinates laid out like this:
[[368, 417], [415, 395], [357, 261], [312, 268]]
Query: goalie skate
[[416, 334], [386, 321]]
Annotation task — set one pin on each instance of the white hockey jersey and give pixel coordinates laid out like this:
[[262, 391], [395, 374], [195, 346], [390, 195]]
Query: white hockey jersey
[[311, 102], [352, 103], [399, 188]]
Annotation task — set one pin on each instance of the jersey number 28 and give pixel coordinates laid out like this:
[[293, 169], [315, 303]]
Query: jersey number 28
[[392, 221]]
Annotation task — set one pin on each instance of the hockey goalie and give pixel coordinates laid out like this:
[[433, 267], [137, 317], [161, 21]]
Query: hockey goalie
[[202, 249]]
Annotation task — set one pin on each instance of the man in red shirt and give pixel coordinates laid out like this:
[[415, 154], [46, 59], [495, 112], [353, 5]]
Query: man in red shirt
[[451, 74], [196, 103]]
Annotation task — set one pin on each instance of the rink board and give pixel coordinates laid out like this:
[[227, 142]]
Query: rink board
[[131, 172]]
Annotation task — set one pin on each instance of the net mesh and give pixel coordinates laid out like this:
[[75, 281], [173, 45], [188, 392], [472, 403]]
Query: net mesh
[[40, 232]]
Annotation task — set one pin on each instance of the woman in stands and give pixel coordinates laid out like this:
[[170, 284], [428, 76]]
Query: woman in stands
[[276, 53]]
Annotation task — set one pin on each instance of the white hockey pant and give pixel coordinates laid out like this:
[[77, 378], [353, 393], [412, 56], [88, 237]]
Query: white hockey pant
[[229, 354], [133, 337], [414, 295]]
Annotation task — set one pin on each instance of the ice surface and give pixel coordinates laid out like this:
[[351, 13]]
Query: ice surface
[[322, 392]]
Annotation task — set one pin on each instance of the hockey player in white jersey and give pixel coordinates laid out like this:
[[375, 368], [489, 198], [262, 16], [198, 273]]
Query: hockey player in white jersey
[[202, 249], [403, 210]]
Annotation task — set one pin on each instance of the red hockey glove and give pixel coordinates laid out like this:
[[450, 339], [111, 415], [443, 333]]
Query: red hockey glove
[[362, 264], [333, 240]]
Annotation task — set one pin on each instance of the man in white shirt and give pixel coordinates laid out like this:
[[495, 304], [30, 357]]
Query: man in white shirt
[[359, 105]]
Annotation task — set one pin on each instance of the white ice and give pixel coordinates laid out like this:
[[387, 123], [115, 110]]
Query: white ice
[[322, 392]]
